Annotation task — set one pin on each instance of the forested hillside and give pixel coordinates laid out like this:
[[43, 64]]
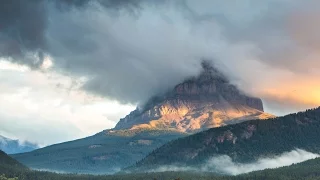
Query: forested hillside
[[244, 142], [104, 153], [7, 161]]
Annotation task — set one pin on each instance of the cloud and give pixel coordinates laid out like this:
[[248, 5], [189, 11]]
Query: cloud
[[48, 108], [131, 50], [224, 165], [22, 31]]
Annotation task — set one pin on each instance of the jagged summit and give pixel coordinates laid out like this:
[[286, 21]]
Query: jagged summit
[[209, 72], [205, 101]]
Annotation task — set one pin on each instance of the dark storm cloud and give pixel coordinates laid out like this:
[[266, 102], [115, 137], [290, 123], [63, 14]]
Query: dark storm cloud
[[114, 4], [23, 26], [123, 54], [22, 30], [132, 49]]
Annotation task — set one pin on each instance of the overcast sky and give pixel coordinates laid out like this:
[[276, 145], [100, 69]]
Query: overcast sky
[[71, 68]]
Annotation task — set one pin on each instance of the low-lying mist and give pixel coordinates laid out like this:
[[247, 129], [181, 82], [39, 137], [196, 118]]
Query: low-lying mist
[[224, 165]]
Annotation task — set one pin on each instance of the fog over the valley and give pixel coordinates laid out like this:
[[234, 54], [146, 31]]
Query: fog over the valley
[[223, 164]]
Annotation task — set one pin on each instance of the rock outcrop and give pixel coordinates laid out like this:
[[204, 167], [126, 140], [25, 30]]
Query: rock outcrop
[[198, 103]]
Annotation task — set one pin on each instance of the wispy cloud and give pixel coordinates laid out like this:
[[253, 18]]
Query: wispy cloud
[[223, 164], [49, 108]]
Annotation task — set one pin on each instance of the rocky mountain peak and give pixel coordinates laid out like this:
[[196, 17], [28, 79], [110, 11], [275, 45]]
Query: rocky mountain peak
[[201, 102], [209, 73]]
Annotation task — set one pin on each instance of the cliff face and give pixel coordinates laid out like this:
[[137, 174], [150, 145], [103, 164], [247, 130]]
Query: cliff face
[[198, 103]]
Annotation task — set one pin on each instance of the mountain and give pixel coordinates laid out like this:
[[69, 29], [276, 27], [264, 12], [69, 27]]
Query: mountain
[[104, 153], [11, 146], [198, 103], [243, 143]]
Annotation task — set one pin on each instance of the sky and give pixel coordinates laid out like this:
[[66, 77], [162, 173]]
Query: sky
[[71, 68]]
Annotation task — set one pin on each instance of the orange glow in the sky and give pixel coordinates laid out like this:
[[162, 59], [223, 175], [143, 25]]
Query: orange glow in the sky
[[298, 93]]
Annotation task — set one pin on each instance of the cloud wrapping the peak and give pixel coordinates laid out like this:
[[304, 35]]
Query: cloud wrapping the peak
[[131, 50]]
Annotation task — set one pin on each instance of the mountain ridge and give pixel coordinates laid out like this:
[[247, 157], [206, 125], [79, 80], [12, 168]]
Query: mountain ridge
[[103, 153]]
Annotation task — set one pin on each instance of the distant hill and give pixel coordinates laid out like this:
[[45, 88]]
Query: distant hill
[[244, 142], [104, 153], [11, 146]]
